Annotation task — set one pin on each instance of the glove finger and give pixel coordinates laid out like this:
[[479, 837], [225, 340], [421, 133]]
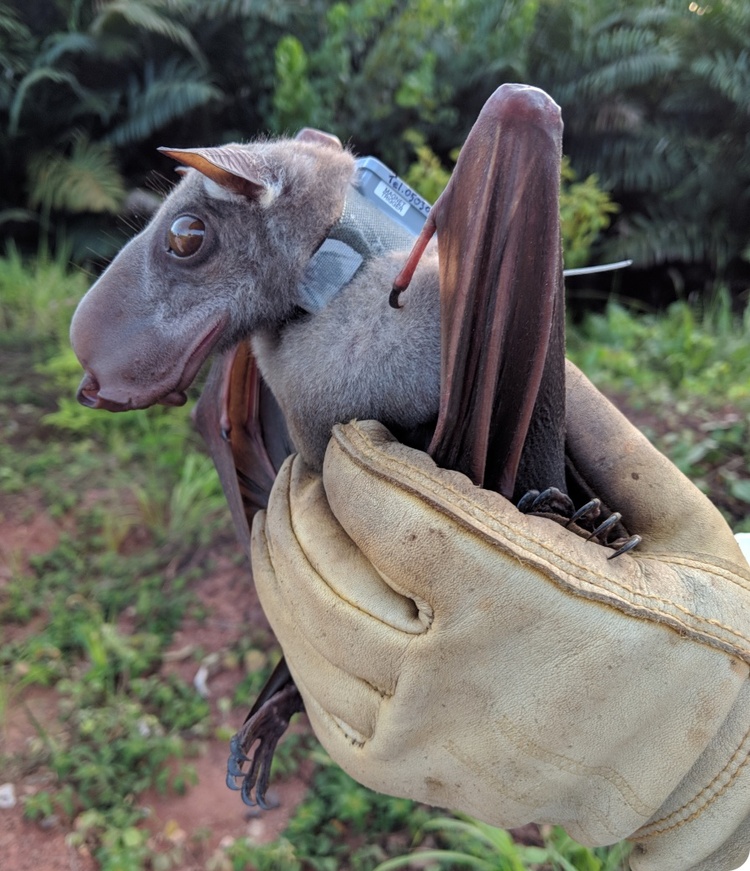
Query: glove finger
[[705, 823], [622, 467], [349, 699], [319, 591]]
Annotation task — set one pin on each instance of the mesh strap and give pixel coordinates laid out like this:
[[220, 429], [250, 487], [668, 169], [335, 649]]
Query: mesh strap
[[362, 232]]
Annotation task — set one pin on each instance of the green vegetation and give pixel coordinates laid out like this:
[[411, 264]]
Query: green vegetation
[[139, 521], [685, 375], [655, 102], [473, 844], [122, 515]]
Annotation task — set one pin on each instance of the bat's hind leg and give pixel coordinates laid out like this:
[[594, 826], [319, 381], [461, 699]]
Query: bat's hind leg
[[263, 729]]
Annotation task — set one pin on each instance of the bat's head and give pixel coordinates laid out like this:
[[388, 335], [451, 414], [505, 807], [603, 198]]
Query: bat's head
[[221, 259]]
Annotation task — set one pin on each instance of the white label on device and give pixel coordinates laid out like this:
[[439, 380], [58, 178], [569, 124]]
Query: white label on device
[[389, 196]]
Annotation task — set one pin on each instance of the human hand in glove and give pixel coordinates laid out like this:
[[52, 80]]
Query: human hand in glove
[[453, 650]]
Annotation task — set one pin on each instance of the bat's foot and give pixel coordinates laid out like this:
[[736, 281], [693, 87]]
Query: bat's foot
[[549, 501], [609, 532], [264, 729]]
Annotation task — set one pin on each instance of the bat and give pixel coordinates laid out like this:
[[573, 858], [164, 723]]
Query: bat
[[468, 363]]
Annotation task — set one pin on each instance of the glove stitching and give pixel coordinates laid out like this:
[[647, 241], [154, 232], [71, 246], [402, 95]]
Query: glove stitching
[[573, 766], [711, 794], [605, 587]]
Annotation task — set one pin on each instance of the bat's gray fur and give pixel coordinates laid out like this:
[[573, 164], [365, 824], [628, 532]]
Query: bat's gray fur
[[145, 327]]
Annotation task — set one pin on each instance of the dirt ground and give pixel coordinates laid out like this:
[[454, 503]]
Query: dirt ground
[[207, 807]]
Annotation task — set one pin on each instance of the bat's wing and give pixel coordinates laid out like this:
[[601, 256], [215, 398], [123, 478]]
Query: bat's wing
[[502, 412], [248, 440], [245, 433]]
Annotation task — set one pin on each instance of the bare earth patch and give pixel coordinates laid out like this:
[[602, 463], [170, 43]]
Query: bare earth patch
[[196, 824], [208, 814]]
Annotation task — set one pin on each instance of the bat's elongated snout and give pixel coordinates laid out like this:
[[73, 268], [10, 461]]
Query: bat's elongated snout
[[89, 394], [131, 358]]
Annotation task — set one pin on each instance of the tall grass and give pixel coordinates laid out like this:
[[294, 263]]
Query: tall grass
[[38, 296]]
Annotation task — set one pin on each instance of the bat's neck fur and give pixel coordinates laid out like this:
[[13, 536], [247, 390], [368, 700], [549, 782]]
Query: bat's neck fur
[[357, 357]]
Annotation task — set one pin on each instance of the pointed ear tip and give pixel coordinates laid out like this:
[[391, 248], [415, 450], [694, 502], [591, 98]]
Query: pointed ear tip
[[171, 152]]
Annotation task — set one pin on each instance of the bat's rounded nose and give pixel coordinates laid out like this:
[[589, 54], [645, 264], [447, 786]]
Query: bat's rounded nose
[[88, 395], [88, 391]]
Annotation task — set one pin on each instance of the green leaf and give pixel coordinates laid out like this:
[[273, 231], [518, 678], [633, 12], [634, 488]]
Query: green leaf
[[146, 15], [87, 180], [740, 489], [462, 860], [164, 94], [32, 78]]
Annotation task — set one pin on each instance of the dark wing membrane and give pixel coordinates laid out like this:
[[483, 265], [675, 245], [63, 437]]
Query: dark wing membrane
[[245, 433], [501, 291]]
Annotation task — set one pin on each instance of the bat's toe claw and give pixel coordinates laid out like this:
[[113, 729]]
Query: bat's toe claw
[[235, 762], [632, 542], [603, 528], [589, 511], [263, 729], [527, 500], [609, 533], [622, 544]]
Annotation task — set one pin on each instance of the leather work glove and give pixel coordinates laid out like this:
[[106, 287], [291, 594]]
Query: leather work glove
[[453, 650]]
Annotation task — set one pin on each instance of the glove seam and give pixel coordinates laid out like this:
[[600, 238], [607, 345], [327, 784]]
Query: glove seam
[[700, 565], [605, 588], [703, 799]]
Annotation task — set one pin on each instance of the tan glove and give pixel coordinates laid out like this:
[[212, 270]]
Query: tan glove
[[453, 650]]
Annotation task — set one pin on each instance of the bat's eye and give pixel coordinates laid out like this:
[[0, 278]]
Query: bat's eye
[[186, 235]]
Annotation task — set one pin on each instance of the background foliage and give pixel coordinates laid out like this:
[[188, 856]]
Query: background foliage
[[656, 100], [656, 103]]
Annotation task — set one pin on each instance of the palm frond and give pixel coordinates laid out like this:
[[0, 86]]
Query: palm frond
[[729, 74], [164, 94], [12, 216], [32, 78], [616, 62], [10, 23], [276, 12], [90, 102], [59, 44], [146, 15], [663, 236], [86, 180]]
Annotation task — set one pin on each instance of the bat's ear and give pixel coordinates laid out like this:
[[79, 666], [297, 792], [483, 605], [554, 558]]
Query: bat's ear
[[230, 166], [318, 137]]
